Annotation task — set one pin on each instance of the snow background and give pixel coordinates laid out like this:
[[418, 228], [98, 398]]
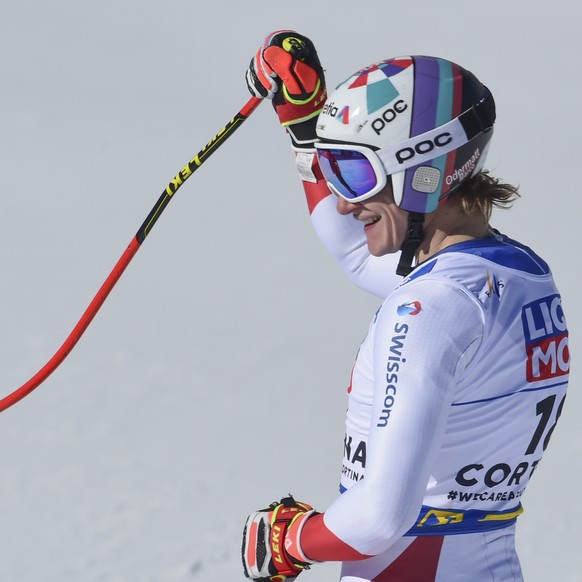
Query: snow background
[[213, 379]]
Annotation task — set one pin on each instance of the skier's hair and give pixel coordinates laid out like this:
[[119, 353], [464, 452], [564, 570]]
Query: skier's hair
[[483, 192]]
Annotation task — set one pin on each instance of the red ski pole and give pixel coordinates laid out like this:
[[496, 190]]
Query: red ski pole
[[128, 255]]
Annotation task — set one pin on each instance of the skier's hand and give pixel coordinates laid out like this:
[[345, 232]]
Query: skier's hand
[[286, 69], [270, 545]]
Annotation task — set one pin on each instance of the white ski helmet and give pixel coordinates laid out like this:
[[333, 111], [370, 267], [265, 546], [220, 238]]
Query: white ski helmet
[[423, 122]]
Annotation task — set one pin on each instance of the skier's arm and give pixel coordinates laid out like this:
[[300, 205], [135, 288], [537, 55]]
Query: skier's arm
[[287, 70], [410, 407]]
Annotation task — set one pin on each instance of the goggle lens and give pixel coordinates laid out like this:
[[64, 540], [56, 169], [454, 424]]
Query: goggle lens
[[349, 172]]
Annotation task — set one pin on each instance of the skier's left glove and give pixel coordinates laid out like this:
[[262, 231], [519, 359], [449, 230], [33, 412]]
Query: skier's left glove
[[286, 69], [271, 551]]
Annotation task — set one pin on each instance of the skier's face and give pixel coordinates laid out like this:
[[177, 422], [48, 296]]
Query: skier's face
[[385, 224]]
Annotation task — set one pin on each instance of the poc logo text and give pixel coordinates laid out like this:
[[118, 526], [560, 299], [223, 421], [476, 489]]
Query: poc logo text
[[423, 147], [388, 116]]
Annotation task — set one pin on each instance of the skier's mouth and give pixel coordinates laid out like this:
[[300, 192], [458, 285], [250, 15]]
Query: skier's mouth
[[369, 222]]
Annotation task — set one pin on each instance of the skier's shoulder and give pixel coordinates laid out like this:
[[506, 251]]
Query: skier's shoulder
[[476, 264], [495, 251]]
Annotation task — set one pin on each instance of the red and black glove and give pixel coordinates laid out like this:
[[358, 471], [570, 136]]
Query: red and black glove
[[286, 69], [271, 551]]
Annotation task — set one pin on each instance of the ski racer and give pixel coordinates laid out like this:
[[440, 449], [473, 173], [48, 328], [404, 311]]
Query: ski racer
[[460, 382]]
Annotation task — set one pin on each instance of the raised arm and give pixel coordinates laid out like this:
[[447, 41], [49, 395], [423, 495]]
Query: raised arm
[[287, 70]]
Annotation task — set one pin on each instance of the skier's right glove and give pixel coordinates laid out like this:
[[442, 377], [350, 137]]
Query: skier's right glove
[[286, 69], [271, 550]]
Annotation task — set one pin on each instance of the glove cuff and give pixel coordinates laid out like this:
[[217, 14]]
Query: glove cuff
[[293, 540], [303, 134]]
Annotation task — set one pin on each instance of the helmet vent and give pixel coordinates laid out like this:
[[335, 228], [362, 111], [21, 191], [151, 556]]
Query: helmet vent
[[426, 179]]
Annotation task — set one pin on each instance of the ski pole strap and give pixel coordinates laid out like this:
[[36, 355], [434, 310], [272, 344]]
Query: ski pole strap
[[437, 522]]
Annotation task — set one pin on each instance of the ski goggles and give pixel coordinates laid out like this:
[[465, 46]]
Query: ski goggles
[[351, 171], [357, 172]]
